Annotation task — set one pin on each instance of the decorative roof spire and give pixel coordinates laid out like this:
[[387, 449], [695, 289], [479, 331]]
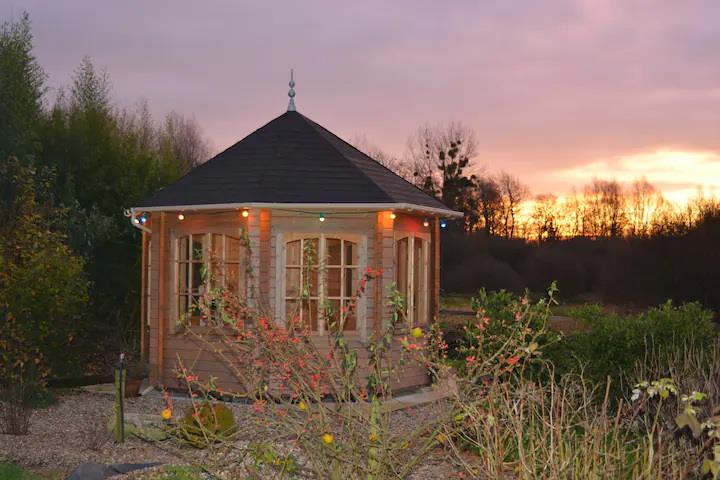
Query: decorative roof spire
[[291, 93]]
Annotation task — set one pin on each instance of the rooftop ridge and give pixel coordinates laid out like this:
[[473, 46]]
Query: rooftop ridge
[[291, 159], [318, 126]]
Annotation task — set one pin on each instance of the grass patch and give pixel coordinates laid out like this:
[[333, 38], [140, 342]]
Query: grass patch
[[455, 302], [177, 472], [13, 472]]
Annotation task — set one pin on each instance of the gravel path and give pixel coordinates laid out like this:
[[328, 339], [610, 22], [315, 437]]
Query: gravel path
[[74, 431]]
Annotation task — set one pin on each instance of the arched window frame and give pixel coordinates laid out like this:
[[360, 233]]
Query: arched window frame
[[283, 239], [208, 262], [416, 294]]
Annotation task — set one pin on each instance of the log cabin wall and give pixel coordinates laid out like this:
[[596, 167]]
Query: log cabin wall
[[144, 289], [435, 271], [267, 232], [154, 304], [385, 260], [165, 342]]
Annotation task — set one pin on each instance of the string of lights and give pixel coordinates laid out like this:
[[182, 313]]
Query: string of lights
[[322, 216]]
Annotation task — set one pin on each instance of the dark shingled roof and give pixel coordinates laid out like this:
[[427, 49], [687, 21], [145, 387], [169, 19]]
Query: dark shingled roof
[[291, 160]]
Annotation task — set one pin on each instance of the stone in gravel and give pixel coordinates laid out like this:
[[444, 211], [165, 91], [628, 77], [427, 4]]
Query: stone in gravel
[[95, 471], [90, 471], [144, 426]]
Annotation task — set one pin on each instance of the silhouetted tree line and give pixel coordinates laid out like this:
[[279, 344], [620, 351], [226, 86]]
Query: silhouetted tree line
[[679, 264]]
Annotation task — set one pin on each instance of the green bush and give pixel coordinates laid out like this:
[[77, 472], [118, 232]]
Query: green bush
[[42, 282], [610, 345], [206, 424], [22, 377], [496, 318]]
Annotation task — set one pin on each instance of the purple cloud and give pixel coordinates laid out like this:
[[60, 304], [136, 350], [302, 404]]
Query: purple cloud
[[548, 86]]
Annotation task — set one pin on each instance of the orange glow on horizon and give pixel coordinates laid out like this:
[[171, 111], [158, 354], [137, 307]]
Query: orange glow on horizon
[[680, 175]]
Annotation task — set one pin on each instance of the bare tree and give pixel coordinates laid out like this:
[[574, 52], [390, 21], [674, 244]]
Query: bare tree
[[399, 166], [643, 201], [545, 218], [433, 149], [574, 215], [512, 194], [440, 157], [489, 205], [183, 139], [420, 157], [605, 209]]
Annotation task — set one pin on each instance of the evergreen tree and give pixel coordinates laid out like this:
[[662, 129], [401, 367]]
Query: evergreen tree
[[21, 90], [105, 163], [100, 160]]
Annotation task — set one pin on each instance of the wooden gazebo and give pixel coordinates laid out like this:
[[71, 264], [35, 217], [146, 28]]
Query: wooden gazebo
[[290, 185]]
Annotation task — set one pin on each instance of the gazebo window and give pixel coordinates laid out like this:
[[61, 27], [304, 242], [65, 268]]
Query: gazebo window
[[204, 262], [321, 275], [412, 277]]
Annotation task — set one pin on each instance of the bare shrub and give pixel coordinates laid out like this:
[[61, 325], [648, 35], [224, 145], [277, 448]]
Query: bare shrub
[[22, 378]]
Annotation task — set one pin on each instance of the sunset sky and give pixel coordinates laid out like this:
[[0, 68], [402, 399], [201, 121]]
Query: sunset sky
[[557, 92]]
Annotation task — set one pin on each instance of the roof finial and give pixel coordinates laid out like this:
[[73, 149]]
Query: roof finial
[[291, 93]]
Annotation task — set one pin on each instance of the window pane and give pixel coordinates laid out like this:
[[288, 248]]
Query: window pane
[[183, 254], [182, 304], [194, 308], [215, 274], [311, 282], [216, 248], [333, 282], [350, 249], [334, 252], [207, 260], [402, 266], [292, 309], [310, 251], [331, 314], [292, 282], [350, 321], [232, 279], [310, 314], [197, 280], [183, 274], [350, 286], [232, 249], [197, 248], [417, 257], [292, 255], [419, 281]]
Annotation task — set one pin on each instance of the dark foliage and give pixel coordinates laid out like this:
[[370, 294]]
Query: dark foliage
[[89, 160], [641, 271], [611, 345]]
